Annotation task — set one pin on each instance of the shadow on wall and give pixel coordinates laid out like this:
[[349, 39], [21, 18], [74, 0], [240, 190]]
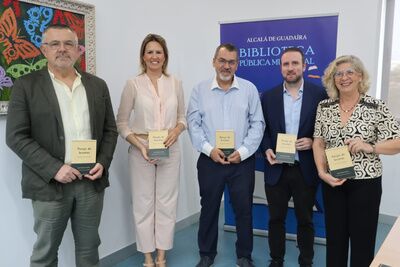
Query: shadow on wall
[[394, 89]]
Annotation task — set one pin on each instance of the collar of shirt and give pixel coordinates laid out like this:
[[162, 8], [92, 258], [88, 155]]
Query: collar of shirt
[[214, 84], [77, 81], [158, 79], [301, 89]]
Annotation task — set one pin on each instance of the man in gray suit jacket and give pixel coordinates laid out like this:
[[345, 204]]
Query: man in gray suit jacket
[[49, 109]]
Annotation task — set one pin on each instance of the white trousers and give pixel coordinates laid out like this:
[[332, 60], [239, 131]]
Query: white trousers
[[154, 195]]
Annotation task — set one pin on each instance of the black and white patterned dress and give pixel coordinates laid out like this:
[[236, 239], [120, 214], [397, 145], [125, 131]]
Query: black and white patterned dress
[[371, 121]]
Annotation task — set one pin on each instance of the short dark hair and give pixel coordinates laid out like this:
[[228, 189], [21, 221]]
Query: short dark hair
[[294, 49], [228, 46], [57, 27], [151, 37]]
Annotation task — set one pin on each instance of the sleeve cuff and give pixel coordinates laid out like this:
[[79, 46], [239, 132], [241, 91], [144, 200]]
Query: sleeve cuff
[[126, 133], [243, 152], [183, 122], [206, 149]]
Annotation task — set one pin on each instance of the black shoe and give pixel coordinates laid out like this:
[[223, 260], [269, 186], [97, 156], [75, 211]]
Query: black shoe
[[305, 265], [244, 262], [275, 263], [205, 261]]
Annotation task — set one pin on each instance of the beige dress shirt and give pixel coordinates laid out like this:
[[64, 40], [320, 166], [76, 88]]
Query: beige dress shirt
[[74, 112], [151, 111]]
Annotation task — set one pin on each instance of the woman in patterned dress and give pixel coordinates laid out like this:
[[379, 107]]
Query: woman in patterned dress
[[353, 118]]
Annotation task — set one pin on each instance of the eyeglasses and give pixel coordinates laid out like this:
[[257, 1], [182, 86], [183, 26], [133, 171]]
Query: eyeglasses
[[341, 74], [55, 45], [223, 61]]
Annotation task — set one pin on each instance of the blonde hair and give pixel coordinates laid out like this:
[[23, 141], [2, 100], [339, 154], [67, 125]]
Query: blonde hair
[[329, 80], [151, 37]]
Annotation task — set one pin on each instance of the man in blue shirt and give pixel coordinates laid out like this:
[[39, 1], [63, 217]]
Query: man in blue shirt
[[228, 103], [290, 108]]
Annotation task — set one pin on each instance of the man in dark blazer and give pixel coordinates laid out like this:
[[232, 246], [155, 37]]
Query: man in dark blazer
[[48, 110], [290, 108]]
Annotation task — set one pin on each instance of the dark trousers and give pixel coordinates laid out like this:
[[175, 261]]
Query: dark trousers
[[291, 184], [351, 214], [212, 180]]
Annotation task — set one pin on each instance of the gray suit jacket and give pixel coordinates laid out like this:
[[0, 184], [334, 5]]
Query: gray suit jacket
[[35, 132]]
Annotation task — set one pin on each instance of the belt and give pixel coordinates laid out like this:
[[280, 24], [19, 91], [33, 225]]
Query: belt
[[295, 163]]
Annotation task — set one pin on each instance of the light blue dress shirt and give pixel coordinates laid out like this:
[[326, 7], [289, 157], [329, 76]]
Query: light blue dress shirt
[[211, 108], [292, 108]]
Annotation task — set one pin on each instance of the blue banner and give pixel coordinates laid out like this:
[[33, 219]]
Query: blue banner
[[260, 45]]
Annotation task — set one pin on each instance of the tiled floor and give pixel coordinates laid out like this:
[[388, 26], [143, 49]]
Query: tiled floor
[[185, 251]]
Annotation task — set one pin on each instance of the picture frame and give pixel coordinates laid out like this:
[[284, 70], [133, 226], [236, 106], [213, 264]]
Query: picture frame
[[21, 26]]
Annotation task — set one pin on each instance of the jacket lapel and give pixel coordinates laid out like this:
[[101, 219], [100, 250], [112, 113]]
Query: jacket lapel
[[90, 95], [46, 85], [281, 109], [305, 106]]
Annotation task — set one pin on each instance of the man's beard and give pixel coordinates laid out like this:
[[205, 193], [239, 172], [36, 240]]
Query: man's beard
[[296, 80], [225, 78]]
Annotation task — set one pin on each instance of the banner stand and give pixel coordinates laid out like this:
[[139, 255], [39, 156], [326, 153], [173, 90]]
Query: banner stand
[[260, 45], [261, 218]]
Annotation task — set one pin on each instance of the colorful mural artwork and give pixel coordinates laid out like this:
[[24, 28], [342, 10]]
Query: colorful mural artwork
[[21, 27]]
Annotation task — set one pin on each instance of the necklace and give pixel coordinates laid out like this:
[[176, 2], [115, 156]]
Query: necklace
[[351, 108], [347, 110]]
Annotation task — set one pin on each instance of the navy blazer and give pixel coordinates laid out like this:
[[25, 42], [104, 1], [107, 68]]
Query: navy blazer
[[273, 109]]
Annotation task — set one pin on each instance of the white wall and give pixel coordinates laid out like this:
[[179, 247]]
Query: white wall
[[192, 32]]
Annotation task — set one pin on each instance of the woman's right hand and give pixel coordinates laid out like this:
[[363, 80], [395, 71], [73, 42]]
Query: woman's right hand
[[332, 181], [143, 150], [134, 141]]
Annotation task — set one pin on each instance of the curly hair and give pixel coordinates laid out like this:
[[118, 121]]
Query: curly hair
[[329, 80]]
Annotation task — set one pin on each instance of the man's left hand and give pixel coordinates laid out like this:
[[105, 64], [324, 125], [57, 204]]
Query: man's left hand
[[304, 143], [234, 157], [96, 172]]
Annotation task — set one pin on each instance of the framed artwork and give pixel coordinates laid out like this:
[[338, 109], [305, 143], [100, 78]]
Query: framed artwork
[[22, 23]]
